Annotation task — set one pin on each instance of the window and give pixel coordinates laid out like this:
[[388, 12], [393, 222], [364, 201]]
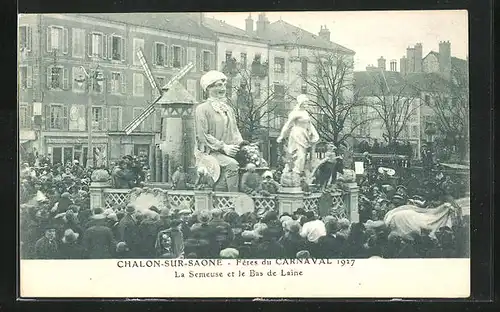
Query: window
[[57, 39], [117, 48], [414, 131], [160, 54], [98, 82], [160, 81], [138, 84], [303, 89], [192, 87], [229, 56], [78, 43], [25, 77], [192, 57], [279, 92], [136, 112], [97, 118], [257, 90], [57, 78], [116, 82], [97, 45], [138, 44], [243, 60], [279, 65], [304, 67], [25, 38], [115, 118], [57, 117], [79, 80], [207, 66], [62, 155], [24, 117], [427, 99], [177, 57]]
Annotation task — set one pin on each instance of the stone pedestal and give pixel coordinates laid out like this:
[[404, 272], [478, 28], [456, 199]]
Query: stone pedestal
[[203, 200], [290, 199], [96, 192], [352, 202]]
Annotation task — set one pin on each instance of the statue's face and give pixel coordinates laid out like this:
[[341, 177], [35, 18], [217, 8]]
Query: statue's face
[[217, 89]]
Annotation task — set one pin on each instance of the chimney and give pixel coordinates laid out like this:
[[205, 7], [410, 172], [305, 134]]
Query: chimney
[[445, 58], [394, 65], [410, 63], [371, 68], [249, 23], [200, 18], [261, 24], [381, 63], [403, 65], [324, 33], [418, 58]]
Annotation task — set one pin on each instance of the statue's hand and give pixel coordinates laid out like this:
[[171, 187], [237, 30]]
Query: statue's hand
[[278, 140], [230, 150]]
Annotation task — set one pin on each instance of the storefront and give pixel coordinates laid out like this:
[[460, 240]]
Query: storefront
[[64, 149]]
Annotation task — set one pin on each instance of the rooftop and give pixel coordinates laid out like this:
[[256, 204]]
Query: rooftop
[[181, 23], [221, 27], [281, 32]]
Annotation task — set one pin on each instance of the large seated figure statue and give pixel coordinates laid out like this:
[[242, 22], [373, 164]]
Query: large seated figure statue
[[217, 133]]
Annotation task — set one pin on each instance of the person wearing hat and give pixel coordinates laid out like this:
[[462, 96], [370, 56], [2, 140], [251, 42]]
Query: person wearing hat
[[127, 229], [70, 248], [217, 131], [269, 185], [250, 181], [301, 134], [98, 240], [47, 246], [221, 232], [291, 240]]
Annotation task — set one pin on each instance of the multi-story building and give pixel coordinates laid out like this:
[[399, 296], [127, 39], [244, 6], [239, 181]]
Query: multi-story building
[[428, 75], [54, 49], [293, 53]]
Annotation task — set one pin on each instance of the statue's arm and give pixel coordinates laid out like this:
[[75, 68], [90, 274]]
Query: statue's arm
[[287, 126]]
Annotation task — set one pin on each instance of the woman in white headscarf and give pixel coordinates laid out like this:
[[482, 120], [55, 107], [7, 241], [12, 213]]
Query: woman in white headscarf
[[301, 134]]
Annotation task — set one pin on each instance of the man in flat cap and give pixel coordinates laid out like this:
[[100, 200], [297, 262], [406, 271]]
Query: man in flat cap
[[216, 128]]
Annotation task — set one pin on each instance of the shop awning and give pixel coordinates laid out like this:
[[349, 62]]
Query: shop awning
[[26, 136]]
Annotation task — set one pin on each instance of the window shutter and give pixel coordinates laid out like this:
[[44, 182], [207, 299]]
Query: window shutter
[[29, 76], [157, 127], [65, 120], [124, 82], [171, 57], [212, 61], [65, 78], [49, 39], [109, 80], [46, 116], [29, 39], [110, 48], [153, 52], [104, 121], [124, 49], [49, 76], [165, 54], [89, 44], [104, 47], [199, 61], [183, 57], [65, 40]]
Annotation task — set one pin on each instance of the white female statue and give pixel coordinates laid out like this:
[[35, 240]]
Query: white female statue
[[301, 134]]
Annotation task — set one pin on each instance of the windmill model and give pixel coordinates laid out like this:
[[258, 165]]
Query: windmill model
[[177, 117]]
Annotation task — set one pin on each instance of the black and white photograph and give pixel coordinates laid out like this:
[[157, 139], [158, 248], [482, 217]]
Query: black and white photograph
[[185, 139]]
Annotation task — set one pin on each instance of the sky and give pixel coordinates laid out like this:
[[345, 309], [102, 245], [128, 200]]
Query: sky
[[372, 34]]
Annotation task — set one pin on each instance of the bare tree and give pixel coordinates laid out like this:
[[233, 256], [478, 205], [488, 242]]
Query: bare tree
[[394, 101], [254, 104], [450, 105], [335, 104]]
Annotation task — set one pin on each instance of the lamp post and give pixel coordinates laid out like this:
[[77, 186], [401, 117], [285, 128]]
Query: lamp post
[[92, 77]]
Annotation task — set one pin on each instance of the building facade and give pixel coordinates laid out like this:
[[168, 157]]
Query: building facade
[[54, 99]]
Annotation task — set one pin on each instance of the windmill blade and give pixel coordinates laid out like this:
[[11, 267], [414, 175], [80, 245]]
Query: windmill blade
[[139, 119], [147, 71], [150, 109]]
